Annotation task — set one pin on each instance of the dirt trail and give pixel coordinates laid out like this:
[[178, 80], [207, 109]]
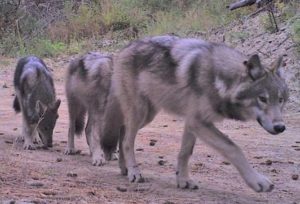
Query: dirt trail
[[49, 176]]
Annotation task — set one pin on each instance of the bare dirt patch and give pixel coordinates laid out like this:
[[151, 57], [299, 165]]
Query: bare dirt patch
[[49, 176]]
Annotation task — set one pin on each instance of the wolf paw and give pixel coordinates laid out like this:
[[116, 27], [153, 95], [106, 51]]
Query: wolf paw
[[111, 156], [29, 146], [134, 175], [186, 184], [114, 156], [98, 160], [260, 183], [70, 151], [19, 140]]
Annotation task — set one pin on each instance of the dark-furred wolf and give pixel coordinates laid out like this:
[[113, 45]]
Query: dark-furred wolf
[[35, 98], [87, 88], [203, 82]]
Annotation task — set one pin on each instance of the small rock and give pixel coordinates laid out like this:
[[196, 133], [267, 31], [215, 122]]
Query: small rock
[[8, 202], [121, 189], [258, 157], [35, 184], [165, 125], [291, 162], [63, 142], [152, 143], [91, 193], [297, 149], [208, 156], [1, 133], [8, 142], [294, 146], [58, 159], [295, 177], [274, 171], [174, 120], [141, 189], [70, 174], [49, 193], [168, 202], [226, 162], [161, 157], [269, 162], [15, 129], [162, 162], [140, 149]]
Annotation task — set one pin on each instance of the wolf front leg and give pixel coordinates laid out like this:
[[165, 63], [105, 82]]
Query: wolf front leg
[[220, 142], [186, 150], [71, 143], [28, 131]]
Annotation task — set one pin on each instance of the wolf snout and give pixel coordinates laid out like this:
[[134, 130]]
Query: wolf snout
[[279, 128]]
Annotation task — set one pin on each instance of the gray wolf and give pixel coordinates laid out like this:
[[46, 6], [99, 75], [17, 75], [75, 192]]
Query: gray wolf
[[87, 89], [35, 98], [203, 82]]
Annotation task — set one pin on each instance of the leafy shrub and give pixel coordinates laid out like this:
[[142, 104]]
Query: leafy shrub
[[296, 32], [46, 48]]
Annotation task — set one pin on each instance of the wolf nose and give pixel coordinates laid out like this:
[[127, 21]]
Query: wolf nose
[[279, 128]]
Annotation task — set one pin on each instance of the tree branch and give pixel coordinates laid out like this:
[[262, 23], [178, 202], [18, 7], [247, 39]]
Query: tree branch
[[241, 3]]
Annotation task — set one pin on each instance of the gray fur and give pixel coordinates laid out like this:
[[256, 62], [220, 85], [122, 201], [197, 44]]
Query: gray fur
[[203, 82], [87, 88], [35, 98]]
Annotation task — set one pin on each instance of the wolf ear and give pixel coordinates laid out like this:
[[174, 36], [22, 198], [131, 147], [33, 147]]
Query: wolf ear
[[56, 104], [254, 67], [276, 67], [40, 108]]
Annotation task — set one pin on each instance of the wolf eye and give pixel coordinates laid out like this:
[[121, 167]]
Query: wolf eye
[[281, 100], [262, 99]]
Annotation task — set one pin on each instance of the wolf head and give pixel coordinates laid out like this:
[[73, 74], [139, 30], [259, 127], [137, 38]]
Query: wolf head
[[48, 116], [268, 92]]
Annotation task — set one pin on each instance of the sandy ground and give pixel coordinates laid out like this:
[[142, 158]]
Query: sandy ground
[[49, 176]]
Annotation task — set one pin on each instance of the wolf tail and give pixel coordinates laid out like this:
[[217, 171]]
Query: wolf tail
[[16, 105], [113, 129], [80, 122]]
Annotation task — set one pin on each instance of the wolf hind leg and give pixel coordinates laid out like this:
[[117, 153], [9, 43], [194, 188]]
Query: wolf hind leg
[[95, 123], [122, 163], [76, 123], [88, 131], [135, 118], [186, 150], [220, 142]]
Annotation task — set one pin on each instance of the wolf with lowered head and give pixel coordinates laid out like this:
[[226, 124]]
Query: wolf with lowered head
[[203, 82], [35, 98]]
